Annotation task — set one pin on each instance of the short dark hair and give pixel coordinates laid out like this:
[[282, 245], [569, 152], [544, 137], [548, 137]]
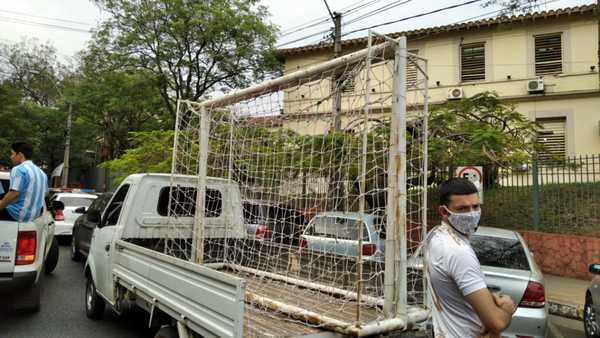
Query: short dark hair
[[24, 148], [456, 186]]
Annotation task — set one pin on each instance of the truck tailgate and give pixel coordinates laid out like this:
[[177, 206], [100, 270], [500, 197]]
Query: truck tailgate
[[8, 244], [210, 302]]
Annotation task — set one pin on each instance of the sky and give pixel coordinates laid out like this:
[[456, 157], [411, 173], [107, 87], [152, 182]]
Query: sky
[[66, 23]]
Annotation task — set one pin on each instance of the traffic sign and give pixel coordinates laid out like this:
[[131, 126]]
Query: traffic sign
[[473, 174]]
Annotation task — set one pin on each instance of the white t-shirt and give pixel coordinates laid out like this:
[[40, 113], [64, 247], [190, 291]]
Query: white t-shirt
[[453, 273]]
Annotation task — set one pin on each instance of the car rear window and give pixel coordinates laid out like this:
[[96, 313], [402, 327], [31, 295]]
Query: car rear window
[[500, 252], [76, 201], [337, 227]]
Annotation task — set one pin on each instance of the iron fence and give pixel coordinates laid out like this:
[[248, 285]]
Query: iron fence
[[561, 196]]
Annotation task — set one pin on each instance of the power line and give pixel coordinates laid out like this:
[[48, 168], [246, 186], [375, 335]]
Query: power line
[[303, 38], [414, 16], [328, 9], [39, 24], [379, 10], [46, 17]]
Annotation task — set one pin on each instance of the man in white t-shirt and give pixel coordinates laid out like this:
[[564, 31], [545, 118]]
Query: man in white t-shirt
[[462, 306]]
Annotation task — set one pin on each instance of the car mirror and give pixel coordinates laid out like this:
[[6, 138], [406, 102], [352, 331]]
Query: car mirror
[[80, 210], [595, 269], [58, 205], [94, 216]]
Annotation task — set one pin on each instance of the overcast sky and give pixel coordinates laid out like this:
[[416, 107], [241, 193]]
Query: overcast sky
[[65, 23]]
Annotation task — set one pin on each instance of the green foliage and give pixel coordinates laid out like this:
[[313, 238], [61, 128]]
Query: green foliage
[[150, 151], [191, 47]]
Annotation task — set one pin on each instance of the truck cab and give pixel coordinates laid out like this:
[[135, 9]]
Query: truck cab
[[27, 252]]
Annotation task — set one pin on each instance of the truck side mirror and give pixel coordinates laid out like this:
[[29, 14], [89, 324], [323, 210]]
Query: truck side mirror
[[57, 205], [94, 216]]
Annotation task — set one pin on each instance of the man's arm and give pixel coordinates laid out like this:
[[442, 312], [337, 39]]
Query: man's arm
[[10, 197], [495, 312]]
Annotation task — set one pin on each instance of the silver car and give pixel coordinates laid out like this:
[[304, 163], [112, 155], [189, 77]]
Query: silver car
[[509, 268], [338, 233], [591, 322]]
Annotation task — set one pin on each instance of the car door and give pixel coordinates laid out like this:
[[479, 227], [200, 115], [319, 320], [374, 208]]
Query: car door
[[87, 226], [102, 239]]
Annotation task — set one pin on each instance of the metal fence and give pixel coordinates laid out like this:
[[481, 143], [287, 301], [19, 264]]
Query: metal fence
[[560, 196]]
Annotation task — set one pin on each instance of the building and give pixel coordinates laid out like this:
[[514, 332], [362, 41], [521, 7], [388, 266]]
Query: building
[[546, 63]]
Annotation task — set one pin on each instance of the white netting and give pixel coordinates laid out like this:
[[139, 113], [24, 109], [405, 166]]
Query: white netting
[[313, 206]]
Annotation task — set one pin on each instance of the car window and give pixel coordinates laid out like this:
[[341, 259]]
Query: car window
[[70, 201], [116, 205], [100, 203], [182, 202], [253, 214], [337, 227], [500, 252]]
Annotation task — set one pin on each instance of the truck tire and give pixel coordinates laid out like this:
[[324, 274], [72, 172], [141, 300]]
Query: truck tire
[[75, 254], [94, 304], [167, 332], [52, 258], [29, 300]]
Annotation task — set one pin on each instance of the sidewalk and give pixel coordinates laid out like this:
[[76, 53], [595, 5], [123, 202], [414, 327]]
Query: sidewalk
[[565, 296]]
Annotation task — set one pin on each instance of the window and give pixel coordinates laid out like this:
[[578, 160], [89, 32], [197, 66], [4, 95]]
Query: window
[[183, 202], [411, 71], [99, 203], [552, 138], [76, 201], [114, 208], [338, 228], [548, 54], [500, 252], [472, 62]]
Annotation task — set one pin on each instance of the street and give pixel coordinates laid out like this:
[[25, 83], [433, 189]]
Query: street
[[63, 314]]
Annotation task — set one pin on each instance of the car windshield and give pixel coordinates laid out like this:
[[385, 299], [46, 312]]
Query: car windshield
[[337, 227], [500, 252], [76, 201]]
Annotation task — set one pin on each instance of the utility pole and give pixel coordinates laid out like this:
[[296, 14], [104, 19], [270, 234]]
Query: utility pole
[[337, 51], [598, 17], [65, 176]]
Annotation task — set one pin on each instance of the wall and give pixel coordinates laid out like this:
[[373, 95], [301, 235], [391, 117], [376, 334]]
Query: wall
[[563, 255]]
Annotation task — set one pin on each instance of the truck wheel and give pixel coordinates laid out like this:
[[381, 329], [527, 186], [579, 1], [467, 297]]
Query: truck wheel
[[167, 332], [75, 254], [52, 258], [94, 304], [29, 300]]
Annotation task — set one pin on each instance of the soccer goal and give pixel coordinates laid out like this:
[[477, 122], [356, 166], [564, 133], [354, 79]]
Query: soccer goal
[[331, 162]]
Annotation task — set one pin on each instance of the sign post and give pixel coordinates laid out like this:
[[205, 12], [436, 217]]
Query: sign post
[[473, 174]]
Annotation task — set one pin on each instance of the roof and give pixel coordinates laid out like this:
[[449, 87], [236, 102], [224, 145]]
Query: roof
[[496, 232], [551, 14], [4, 175], [72, 194], [349, 215]]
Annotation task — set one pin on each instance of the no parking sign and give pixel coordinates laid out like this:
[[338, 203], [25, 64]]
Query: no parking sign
[[473, 174]]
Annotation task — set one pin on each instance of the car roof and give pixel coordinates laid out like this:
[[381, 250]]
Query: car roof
[[73, 194], [4, 175], [496, 232]]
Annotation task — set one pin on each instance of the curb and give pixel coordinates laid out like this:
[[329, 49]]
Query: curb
[[570, 311]]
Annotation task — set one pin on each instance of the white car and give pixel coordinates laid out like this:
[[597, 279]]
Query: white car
[[76, 204]]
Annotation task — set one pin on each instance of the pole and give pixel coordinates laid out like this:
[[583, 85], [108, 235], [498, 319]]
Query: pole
[[598, 17], [335, 85], [535, 193], [65, 176]]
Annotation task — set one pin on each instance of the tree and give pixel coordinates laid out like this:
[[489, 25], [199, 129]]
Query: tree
[[480, 130], [191, 47]]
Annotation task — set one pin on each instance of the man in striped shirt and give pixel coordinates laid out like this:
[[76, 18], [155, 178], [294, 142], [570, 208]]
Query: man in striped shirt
[[28, 186]]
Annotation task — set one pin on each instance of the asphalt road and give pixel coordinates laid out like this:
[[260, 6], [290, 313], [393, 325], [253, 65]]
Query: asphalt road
[[63, 313]]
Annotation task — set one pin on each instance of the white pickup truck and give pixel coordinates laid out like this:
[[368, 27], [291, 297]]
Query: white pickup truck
[[27, 252], [127, 266]]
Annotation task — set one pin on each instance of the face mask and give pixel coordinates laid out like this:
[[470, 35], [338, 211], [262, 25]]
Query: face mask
[[466, 222]]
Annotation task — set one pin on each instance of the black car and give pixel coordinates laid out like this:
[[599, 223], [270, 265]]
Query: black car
[[273, 222], [84, 227]]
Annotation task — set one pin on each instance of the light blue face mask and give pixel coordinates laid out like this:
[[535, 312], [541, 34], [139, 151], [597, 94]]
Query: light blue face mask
[[464, 222]]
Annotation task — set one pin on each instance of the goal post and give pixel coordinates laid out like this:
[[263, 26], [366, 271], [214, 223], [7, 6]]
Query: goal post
[[331, 215]]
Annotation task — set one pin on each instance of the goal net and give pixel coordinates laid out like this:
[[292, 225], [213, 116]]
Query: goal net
[[330, 164]]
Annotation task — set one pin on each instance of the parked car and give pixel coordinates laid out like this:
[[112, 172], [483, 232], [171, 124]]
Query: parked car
[[591, 322], [75, 205], [337, 233], [509, 268], [84, 227], [271, 222], [28, 251]]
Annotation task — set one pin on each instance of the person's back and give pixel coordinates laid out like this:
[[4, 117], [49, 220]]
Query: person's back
[[28, 186], [32, 184]]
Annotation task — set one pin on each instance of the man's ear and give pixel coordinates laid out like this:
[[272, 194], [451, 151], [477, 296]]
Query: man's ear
[[442, 210]]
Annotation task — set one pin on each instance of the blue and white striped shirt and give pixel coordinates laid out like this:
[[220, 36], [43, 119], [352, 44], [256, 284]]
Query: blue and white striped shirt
[[32, 184]]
